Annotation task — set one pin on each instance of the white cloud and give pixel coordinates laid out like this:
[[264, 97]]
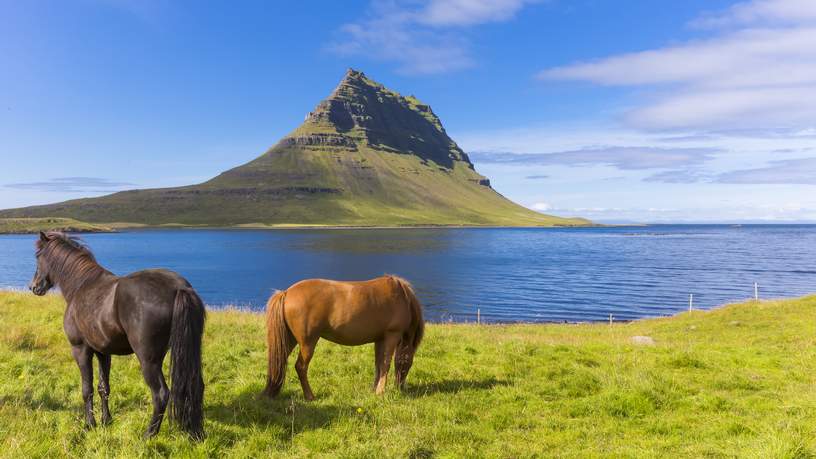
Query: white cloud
[[469, 12], [541, 206], [761, 11], [415, 51], [759, 73], [800, 171], [72, 185], [621, 157], [425, 37]]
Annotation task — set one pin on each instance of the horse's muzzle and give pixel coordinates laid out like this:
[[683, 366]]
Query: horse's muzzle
[[38, 290]]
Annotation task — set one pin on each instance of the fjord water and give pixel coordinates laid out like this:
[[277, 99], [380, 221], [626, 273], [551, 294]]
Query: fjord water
[[510, 274]]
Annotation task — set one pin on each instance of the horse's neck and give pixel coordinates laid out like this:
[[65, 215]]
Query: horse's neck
[[98, 277]]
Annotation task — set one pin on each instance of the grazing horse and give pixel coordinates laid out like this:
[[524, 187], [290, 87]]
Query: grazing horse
[[143, 313], [383, 311]]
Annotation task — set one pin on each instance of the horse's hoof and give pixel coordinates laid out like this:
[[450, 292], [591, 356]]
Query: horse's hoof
[[106, 421], [309, 397], [149, 434]]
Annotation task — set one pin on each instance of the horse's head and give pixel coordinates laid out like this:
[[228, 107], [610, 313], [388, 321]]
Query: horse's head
[[41, 283]]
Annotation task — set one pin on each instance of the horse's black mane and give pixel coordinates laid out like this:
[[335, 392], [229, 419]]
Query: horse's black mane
[[71, 264], [71, 241]]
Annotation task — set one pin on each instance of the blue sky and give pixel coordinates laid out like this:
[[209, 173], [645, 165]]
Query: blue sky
[[659, 111]]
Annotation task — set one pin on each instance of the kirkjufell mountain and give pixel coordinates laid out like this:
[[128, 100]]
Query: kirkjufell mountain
[[366, 156]]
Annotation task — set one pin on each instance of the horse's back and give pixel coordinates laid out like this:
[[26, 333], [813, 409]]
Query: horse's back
[[145, 300], [355, 312]]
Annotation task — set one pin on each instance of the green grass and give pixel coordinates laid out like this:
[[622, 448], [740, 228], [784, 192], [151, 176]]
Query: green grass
[[737, 381], [33, 225]]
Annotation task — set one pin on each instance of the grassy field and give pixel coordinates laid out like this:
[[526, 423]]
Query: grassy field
[[736, 381], [33, 225]]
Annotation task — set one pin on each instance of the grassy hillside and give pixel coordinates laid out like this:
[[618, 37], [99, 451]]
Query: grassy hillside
[[404, 191], [366, 156], [33, 225], [737, 381]]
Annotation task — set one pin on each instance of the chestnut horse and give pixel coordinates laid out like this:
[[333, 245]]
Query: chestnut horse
[[383, 311], [143, 313]]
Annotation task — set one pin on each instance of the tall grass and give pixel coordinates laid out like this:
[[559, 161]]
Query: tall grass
[[736, 381]]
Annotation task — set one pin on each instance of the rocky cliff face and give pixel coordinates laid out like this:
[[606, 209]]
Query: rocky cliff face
[[364, 156], [361, 110]]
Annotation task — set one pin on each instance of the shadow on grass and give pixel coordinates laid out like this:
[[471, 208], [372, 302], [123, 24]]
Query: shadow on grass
[[451, 386], [251, 409]]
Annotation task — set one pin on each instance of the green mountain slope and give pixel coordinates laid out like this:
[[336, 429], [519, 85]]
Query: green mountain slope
[[365, 156]]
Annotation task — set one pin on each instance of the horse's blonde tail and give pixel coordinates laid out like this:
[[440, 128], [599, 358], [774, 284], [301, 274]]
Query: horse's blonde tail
[[279, 341], [418, 322]]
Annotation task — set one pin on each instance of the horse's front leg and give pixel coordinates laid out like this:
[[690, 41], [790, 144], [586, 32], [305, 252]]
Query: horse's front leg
[[379, 351], [104, 386], [84, 359]]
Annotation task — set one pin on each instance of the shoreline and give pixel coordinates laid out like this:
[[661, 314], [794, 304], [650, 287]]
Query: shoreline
[[229, 308], [121, 228], [112, 228]]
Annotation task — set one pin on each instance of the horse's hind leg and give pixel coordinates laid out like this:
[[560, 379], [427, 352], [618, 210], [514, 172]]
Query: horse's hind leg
[[403, 360], [84, 359], [104, 385], [152, 372], [302, 367], [390, 343]]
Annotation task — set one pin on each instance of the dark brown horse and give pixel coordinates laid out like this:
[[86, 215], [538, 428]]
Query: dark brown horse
[[143, 313], [383, 311]]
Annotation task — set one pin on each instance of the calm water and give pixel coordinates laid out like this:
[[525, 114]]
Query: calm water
[[510, 274]]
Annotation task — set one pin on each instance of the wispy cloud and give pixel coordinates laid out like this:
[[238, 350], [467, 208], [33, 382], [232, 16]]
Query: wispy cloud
[[422, 37], [621, 157], [759, 11], [541, 206], [784, 213], [758, 69], [469, 12], [785, 172], [72, 185], [800, 171], [678, 176], [537, 177]]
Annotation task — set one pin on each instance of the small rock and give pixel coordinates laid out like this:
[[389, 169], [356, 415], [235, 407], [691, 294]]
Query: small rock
[[735, 323], [643, 340]]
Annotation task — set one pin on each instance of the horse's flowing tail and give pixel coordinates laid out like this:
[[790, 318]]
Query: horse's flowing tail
[[418, 321], [187, 384], [280, 342]]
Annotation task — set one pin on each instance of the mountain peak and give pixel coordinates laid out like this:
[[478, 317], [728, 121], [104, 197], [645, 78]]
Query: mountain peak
[[352, 74], [361, 111], [365, 156]]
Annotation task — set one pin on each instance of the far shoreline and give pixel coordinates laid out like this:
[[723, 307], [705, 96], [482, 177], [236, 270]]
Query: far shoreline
[[119, 227]]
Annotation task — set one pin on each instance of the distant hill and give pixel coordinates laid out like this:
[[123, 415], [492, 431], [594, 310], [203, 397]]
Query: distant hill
[[366, 156], [34, 225]]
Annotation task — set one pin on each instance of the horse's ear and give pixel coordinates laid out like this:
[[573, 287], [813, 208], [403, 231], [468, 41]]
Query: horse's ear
[[43, 237]]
